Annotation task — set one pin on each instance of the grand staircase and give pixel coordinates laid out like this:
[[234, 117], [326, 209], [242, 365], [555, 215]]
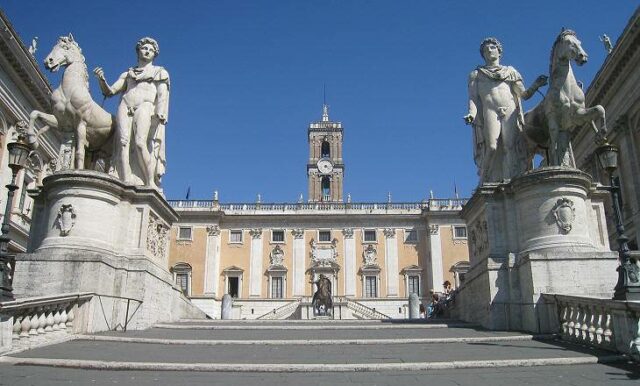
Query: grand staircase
[[331, 352]]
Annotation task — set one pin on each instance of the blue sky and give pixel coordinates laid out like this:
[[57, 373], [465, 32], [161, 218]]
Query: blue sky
[[247, 78]]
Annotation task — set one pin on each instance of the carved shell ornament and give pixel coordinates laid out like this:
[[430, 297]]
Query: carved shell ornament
[[565, 214], [66, 219]]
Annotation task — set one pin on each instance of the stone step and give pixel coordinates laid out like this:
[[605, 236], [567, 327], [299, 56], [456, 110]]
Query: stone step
[[309, 326], [307, 342], [316, 334], [344, 357]]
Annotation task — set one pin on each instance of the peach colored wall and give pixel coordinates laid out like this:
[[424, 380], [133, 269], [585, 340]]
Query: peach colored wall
[[191, 252], [408, 254], [453, 251], [235, 255]]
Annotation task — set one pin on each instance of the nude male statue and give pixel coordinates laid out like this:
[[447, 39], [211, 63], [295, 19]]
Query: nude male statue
[[495, 111], [142, 113]]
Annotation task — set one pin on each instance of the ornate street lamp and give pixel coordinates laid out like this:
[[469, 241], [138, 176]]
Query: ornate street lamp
[[628, 286], [18, 154]]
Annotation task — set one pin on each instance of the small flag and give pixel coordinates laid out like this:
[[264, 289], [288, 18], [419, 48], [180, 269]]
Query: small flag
[[455, 189], [188, 193]]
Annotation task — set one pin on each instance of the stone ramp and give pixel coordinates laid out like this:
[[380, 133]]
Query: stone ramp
[[402, 354]]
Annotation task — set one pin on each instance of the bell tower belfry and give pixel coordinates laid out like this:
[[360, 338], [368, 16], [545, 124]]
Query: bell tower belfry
[[325, 169]]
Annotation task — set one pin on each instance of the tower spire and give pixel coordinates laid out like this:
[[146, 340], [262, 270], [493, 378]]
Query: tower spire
[[325, 108]]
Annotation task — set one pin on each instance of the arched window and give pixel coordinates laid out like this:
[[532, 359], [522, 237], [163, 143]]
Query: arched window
[[325, 151], [326, 189]]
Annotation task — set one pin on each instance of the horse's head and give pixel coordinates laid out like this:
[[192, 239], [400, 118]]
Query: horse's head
[[65, 52], [568, 47]]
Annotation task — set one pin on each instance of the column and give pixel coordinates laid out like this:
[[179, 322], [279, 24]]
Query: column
[[350, 278], [298, 262], [255, 263], [212, 261], [435, 248], [391, 261], [311, 142]]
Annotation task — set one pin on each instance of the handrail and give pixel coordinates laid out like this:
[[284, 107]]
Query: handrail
[[365, 311], [282, 310]]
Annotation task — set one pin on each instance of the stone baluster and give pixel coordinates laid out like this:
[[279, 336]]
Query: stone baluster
[[564, 319], [63, 318], [586, 323], [599, 330], [49, 318], [608, 333], [42, 320], [25, 326], [35, 322], [572, 321], [17, 326], [56, 318], [70, 317]]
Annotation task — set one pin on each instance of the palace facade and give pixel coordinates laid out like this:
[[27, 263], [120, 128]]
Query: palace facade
[[268, 256]]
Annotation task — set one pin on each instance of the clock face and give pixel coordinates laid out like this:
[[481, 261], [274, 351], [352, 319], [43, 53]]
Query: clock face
[[325, 166]]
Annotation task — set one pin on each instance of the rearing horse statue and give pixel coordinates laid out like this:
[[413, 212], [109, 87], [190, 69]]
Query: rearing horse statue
[[73, 108], [550, 124]]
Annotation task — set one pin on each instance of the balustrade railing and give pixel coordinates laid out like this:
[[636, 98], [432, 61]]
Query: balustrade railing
[[365, 311], [40, 319], [603, 323], [432, 204], [281, 312]]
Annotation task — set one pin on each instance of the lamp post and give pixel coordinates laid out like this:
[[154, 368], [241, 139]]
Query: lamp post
[[628, 285], [18, 154]]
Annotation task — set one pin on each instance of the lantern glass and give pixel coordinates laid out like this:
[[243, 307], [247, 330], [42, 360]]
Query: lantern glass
[[18, 154], [608, 157]]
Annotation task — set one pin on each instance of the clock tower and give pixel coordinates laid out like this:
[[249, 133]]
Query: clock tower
[[325, 169]]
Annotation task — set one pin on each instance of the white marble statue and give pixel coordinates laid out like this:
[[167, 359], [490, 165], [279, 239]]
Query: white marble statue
[[142, 115], [550, 123], [606, 40], [495, 112], [73, 109]]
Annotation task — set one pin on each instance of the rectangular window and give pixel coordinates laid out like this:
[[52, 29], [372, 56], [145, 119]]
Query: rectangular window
[[371, 286], [369, 236], [459, 232], [324, 236], [411, 235], [235, 237], [184, 233], [277, 287], [182, 281], [277, 236], [414, 285]]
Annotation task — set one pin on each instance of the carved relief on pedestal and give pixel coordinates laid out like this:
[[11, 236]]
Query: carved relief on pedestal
[[213, 230], [564, 213], [157, 237], [66, 219], [479, 238]]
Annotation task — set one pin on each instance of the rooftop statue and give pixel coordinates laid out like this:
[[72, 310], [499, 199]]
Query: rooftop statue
[[495, 112], [142, 115], [550, 123], [73, 109]]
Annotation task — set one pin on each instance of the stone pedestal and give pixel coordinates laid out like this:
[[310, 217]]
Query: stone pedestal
[[92, 233], [542, 232]]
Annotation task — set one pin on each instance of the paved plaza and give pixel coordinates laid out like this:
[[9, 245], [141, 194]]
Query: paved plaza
[[316, 353]]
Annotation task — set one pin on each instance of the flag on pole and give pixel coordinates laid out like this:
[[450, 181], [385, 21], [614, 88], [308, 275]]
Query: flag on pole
[[455, 189], [188, 193]]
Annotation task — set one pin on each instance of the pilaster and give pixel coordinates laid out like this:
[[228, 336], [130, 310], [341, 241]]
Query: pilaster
[[255, 264], [391, 261]]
